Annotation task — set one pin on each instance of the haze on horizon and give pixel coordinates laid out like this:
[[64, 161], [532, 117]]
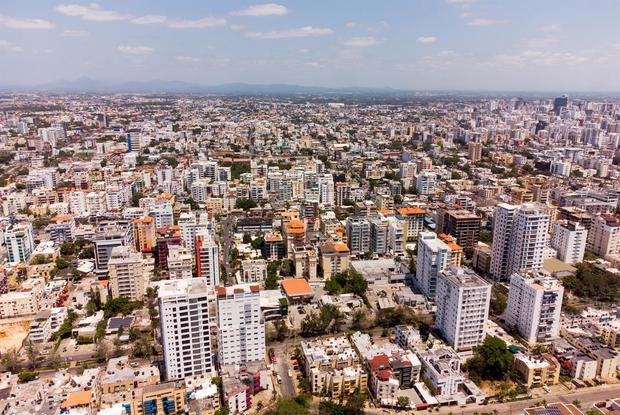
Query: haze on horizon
[[525, 45]]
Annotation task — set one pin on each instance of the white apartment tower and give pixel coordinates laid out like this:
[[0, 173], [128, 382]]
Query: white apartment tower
[[184, 322], [433, 257], [519, 238], [604, 236], [569, 240], [207, 258], [534, 306], [127, 274], [241, 328], [463, 300], [19, 242]]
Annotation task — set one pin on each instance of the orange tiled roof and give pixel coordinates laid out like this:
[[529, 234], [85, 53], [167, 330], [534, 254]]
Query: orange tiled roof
[[296, 286], [61, 218], [79, 398], [411, 211]]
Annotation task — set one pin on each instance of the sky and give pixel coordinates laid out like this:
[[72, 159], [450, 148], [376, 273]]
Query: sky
[[503, 45]]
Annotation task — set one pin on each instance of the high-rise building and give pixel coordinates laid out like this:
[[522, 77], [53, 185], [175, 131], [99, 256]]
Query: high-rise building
[[185, 327], [569, 240], [462, 224], [462, 300], [534, 305], [378, 235], [61, 228], [207, 258], [127, 274], [604, 236], [358, 235], [474, 151], [241, 328], [433, 256], [179, 262], [19, 242], [519, 238], [326, 189], [425, 183], [144, 234], [559, 103], [413, 222]]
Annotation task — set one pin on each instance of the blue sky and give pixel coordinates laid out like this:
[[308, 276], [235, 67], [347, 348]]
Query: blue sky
[[420, 44]]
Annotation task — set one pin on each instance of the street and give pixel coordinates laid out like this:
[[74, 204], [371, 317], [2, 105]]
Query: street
[[586, 396], [282, 367]]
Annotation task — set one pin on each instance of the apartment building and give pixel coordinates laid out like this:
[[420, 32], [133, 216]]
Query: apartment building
[[433, 257], [241, 328], [534, 305], [185, 328], [463, 300]]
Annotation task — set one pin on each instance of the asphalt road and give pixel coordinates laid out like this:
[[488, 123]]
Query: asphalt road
[[282, 367], [587, 397]]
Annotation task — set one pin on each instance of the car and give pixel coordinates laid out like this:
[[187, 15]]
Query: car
[[290, 374]]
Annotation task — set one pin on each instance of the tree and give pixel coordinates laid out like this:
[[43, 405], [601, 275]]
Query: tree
[[402, 402], [39, 259], [281, 329], [297, 405], [61, 263], [491, 361], [245, 204], [87, 253], [102, 351], [10, 360], [499, 301], [25, 376], [247, 238], [32, 354], [135, 198], [357, 320]]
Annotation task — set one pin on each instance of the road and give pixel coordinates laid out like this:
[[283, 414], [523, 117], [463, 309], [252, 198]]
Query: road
[[282, 367], [586, 396]]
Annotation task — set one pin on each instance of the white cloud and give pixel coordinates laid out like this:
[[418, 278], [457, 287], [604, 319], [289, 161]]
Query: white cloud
[[197, 24], [350, 25], [136, 50], [91, 12], [483, 22], [314, 64], [183, 58], [361, 42], [9, 47], [540, 42], [304, 50], [550, 28], [462, 1], [426, 39], [149, 19], [75, 33], [466, 15], [259, 10], [20, 23], [536, 57], [236, 27], [306, 31]]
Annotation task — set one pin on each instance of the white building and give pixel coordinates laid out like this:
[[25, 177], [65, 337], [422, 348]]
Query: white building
[[207, 258], [425, 183], [569, 240], [521, 238], [162, 214], [46, 323], [127, 274], [19, 242], [180, 261], [241, 328], [534, 306], [358, 235], [463, 300], [326, 189], [77, 203], [433, 256], [604, 236], [253, 270], [184, 322]]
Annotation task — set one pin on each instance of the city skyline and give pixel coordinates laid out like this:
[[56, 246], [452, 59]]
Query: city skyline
[[417, 45]]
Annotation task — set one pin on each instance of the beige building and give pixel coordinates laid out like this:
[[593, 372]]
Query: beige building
[[335, 258], [127, 273], [305, 259], [333, 367], [413, 222], [538, 371]]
